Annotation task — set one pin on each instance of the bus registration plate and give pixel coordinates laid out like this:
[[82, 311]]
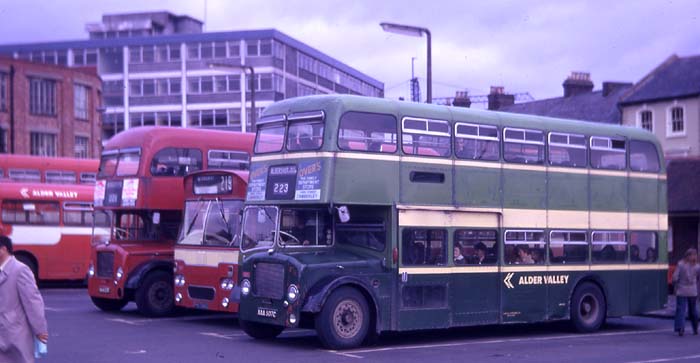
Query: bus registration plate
[[267, 313], [104, 289]]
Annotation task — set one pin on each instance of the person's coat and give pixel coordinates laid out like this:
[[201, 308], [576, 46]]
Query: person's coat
[[21, 313], [685, 279]]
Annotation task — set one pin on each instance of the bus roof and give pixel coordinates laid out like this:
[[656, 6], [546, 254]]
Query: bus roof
[[155, 138], [44, 164], [43, 191], [339, 104]]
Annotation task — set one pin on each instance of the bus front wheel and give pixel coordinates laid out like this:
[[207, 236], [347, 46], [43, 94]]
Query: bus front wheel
[[588, 308], [343, 322], [155, 296], [259, 330], [109, 304]]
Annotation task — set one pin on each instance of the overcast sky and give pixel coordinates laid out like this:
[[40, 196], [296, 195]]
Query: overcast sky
[[525, 46]]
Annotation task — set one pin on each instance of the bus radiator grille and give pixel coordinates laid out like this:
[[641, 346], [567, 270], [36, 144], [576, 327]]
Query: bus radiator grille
[[201, 292], [105, 264], [269, 280]]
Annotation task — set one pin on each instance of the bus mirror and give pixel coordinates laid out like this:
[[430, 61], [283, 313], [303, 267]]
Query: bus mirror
[[343, 214], [156, 218]]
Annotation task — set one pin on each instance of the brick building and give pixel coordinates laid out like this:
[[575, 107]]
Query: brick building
[[49, 110]]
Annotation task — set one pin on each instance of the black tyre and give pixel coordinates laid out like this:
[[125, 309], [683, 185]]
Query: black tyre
[[260, 330], [155, 295], [588, 309], [343, 322], [109, 304], [29, 261]]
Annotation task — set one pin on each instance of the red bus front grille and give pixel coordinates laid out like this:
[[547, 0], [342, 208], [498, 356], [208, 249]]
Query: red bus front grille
[[105, 264]]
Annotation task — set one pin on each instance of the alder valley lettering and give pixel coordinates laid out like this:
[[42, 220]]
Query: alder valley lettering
[[543, 280]]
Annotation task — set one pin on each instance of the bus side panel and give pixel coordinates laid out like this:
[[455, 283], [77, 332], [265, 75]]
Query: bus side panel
[[426, 184], [567, 192], [617, 288], [474, 298], [645, 288], [524, 189], [477, 187], [643, 195], [351, 183], [608, 193], [559, 294]]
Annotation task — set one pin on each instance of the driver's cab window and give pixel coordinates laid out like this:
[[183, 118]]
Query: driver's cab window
[[300, 227]]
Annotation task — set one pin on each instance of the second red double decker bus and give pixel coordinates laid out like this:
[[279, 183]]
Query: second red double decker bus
[[206, 253], [140, 182]]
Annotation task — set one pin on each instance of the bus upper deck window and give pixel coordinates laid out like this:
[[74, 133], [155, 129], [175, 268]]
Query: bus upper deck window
[[108, 164], [426, 137], [270, 138], [128, 163], [362, 131], [176, 162], [523, 146], [305, 131], [608, 153], [643, 156]]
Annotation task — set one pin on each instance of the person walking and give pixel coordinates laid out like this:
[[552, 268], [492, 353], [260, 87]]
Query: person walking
[[21, 309], [685, 280]]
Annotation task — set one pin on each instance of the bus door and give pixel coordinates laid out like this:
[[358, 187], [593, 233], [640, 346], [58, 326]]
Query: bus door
[[424, 273], [523, 279], [475, 285]]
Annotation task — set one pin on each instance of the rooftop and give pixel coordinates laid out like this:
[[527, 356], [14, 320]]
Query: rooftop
[[676, 77]]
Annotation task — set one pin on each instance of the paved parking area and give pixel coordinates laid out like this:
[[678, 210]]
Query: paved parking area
[[81, 333]]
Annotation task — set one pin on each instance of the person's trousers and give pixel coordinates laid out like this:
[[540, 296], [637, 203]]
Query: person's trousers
[[683, 303]]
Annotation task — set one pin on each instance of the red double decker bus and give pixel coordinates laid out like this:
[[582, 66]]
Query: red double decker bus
[[51, 227], [140, 183], [206, 253], [41, 169]]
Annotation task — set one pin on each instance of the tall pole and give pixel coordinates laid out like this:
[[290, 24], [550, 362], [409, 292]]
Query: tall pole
[[253, 111], [430, 69]]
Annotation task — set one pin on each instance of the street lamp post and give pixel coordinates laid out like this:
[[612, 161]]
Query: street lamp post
[[252, 88], [414, 31]]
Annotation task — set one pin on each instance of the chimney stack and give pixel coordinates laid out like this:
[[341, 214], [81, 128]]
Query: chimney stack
[[499, 98], [577, 83], [462, 99]]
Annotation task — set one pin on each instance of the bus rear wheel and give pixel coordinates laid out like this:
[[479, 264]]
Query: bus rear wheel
[[155, 296], [343, 322], [109, 304], [588, 308], [259, 330]]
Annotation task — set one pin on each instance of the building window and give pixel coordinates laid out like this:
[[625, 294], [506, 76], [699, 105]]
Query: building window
[[3, 92], [80, 101], [81, 147], [43, 144], [677, 124], [646, 121], [42, 96]]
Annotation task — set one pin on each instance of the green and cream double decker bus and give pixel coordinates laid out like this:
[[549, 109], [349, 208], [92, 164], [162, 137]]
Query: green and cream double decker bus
[[366, 215]]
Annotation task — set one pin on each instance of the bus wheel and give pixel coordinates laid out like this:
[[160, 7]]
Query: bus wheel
[[260, 330], [588, 308], [155, 296], [29, 261], [109, 304], [344, 320]]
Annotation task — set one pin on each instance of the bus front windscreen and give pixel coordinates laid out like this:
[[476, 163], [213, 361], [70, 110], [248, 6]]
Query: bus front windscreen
[[211, 223], [128, 163], [259, 227]]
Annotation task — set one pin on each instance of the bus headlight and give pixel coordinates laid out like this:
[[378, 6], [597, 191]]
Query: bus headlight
[[227, 284], [292, 293], [245, 287], [178, 297], [179, 280], [120, 273], [224, 302], [91, 271]]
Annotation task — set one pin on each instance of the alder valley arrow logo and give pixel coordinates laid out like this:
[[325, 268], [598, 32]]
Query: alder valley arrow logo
[[507, 282]]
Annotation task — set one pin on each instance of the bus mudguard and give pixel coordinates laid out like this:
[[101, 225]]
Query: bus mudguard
[[320, 292], [140, 272]]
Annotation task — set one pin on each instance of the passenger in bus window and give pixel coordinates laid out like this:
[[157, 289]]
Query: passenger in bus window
[[634, 254], [651, 255], [480, 253], [523, 255], [458, 257]]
